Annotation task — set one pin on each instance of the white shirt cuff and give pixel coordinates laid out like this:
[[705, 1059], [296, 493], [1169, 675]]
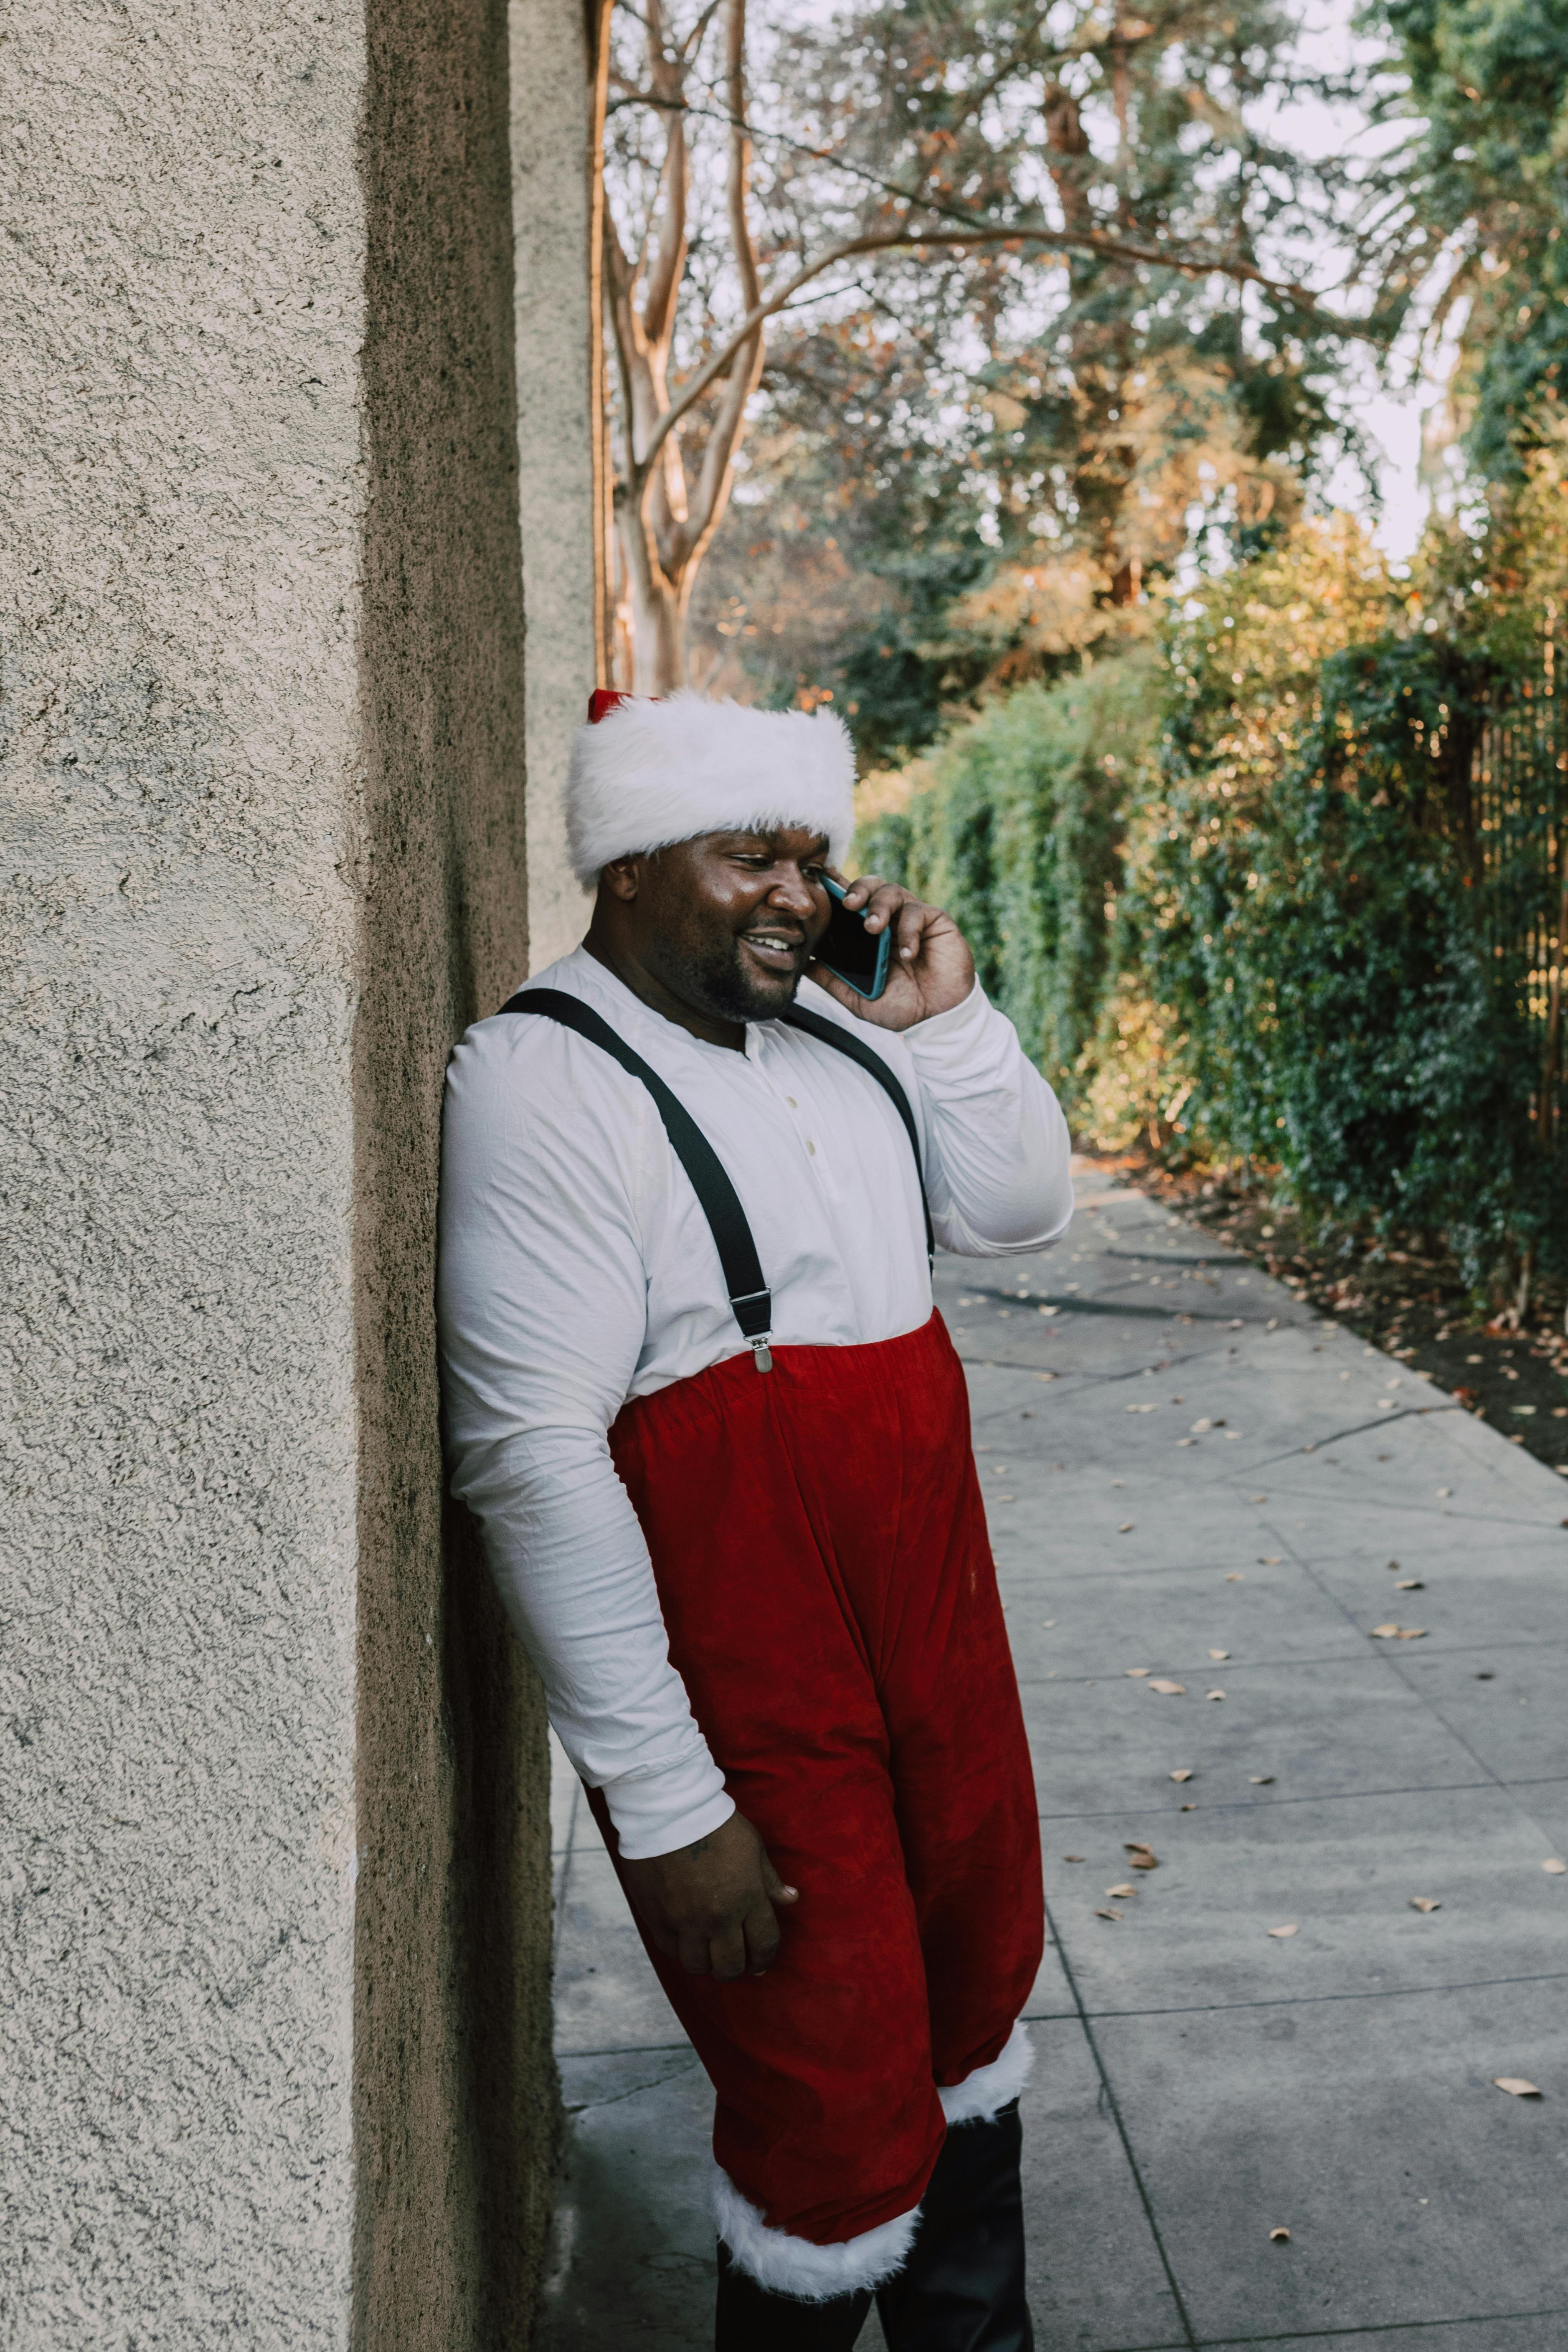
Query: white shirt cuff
[[659, 1812]]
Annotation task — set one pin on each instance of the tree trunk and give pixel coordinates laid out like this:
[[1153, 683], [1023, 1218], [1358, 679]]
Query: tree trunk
[[652, 640]]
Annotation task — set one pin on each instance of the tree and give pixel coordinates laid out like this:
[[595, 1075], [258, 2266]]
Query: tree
[[1470, 208], [663, 521], [1003, 457], [951, 213]]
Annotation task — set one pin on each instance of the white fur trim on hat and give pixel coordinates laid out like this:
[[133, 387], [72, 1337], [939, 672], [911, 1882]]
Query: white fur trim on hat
[[985, 2093], [786, 2264], [651, 773]]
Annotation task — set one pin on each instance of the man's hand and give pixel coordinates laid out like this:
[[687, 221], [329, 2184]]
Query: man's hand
[[711, 1905], [931, 969]]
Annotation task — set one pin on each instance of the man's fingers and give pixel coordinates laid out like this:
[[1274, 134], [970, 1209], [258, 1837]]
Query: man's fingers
[[883, 902], [773, 1886], [761, 1938], [693, 1951], [728, 1952], [912, 919]]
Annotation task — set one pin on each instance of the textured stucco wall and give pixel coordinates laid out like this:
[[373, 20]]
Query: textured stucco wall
[[263, 746], [184, 498], [551, 138]]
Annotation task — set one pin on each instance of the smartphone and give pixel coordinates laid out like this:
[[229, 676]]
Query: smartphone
[[853, 954]]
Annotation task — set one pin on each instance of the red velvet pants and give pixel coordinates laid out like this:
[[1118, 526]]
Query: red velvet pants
[[822, 1559]]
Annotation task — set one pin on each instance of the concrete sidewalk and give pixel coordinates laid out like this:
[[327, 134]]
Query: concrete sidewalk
[[1191, 1480]]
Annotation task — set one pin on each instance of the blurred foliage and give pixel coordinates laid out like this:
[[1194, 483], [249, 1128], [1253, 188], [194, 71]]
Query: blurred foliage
[[1014, 825], [1295, 917], [1481, 181]]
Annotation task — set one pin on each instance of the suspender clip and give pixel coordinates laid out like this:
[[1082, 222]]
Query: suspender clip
[[761, 1354]]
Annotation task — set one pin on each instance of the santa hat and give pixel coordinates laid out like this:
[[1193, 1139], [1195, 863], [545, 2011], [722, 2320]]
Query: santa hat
[[645, 774]]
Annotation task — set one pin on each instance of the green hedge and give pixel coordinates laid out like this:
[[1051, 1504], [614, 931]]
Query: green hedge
[[1017, 832], [1283, 890]]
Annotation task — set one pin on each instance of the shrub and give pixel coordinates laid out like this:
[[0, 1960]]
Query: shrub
[[1015, 826]]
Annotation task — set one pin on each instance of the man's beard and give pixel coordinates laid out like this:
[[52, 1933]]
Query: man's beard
[[717, 983]]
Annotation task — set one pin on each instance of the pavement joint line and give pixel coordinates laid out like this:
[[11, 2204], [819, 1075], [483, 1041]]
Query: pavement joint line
[[1067, 1305], [1236, 1667], [618, 2098], [1097, 1576], [1321, 2335], [1305, 1999], [630, 2050], [1154, 1257], [1189, 2339], [1425, 1510], [1343, 1436], [1374, 2327], [1325, 1797]]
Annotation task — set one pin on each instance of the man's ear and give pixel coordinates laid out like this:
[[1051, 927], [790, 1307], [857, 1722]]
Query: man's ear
[[621, 878]]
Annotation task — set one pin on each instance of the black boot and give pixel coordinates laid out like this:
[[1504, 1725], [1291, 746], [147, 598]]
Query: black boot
[[750, 2319], [962, 2289]]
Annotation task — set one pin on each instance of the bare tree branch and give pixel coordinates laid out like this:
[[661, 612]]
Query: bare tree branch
[[959, 240]]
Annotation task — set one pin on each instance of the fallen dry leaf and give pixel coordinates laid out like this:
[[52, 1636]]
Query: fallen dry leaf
[[1122, 1890], [1168, 1689], [1261, 1780], [1516, 2085], [1136, 1845], [1072, 1857], [1278, 2236], [1554, 1869], [1126, 1528], [1269, 1559], [1411, 1633], [1258, 1499], [1410, 1584], [1138, 1673], [1200, 1427], [1383, 1632], [1107, 1914], [1424, 1902], [1219, 1653], [1443, 1493], [1236, 1577], [1187, 1809], [1213, 1693], [1184, 1774], [1145, 1860], [1281, 1933]]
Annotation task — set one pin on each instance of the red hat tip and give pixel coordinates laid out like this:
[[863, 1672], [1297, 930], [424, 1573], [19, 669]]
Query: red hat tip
[[604, 700]]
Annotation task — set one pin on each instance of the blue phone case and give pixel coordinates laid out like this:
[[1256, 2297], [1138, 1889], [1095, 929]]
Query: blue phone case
[[837, 891]]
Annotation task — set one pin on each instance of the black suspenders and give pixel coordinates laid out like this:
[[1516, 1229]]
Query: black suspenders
[[720, 1203]]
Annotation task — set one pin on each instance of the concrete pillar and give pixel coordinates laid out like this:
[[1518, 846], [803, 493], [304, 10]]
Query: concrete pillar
[[275, 2023], [554, 138]]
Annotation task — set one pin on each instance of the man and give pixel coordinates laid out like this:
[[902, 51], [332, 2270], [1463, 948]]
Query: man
[[718, 1443]]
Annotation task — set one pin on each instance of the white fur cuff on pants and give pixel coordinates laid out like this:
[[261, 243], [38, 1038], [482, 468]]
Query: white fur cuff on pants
[[786, 2264], [991, 2088]]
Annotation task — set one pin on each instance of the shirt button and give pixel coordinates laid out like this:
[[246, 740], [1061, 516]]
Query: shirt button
[[811, 1147], [792, 1102]]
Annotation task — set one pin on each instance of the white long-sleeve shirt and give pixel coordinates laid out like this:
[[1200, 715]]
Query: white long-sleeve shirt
[[577, 1270]]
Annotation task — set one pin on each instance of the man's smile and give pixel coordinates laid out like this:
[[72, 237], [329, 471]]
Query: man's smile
[[775, 948]]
